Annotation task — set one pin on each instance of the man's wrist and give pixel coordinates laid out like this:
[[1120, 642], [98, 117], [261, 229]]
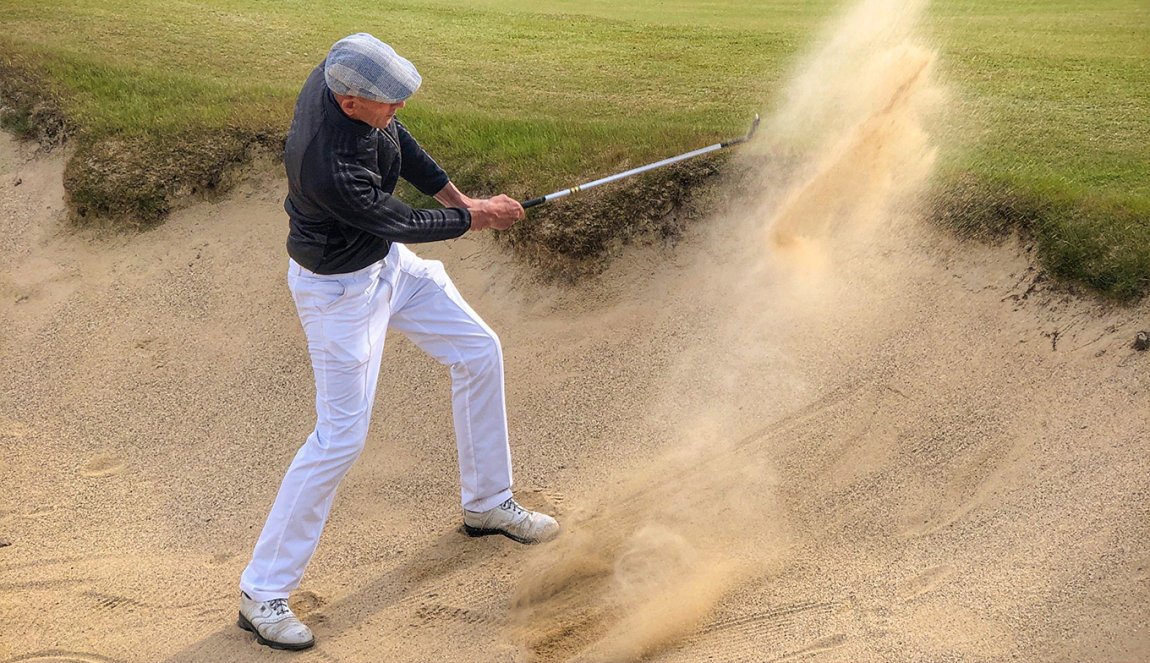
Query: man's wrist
[[479, 219], [451, 196]]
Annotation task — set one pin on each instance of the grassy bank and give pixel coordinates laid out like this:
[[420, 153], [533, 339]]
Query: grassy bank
[[161, 98]]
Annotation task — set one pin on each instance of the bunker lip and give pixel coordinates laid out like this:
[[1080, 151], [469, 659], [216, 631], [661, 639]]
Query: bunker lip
[[579, 238], [30, 107], [131, 183]]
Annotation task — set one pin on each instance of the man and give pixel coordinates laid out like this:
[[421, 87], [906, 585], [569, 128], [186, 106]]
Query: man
[[352, 278]]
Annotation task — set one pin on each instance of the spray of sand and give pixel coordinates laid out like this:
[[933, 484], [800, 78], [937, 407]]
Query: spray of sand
[[851, 130], [644, 567]]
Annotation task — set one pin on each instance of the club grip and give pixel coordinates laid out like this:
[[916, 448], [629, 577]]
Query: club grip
[[534, 201]]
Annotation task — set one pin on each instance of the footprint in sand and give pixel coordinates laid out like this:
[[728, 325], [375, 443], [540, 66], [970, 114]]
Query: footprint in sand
[[105, 602], [817, 647], [543, 499], [59, 656], [103, 465], [41, 511], [925, 582], [221, 558], [432, 614], [307, 604]]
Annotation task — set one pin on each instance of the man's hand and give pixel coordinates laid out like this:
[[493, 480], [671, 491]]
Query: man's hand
[[500, 212]]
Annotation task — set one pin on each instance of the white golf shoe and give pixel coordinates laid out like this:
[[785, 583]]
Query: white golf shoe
[[274, 624], [512, 521]]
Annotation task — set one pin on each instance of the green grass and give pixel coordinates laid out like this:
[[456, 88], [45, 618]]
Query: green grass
[[1055, 125], [1051, 111]]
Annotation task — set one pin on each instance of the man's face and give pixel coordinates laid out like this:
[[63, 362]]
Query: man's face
[[376, 113]]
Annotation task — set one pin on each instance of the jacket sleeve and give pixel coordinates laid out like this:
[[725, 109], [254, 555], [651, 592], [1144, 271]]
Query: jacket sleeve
[[352, 195], [417, 166]]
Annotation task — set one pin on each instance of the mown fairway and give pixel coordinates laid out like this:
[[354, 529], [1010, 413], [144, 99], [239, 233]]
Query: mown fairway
[[1050, 111]]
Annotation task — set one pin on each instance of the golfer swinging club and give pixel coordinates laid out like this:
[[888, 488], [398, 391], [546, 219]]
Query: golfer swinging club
[[352, 277]]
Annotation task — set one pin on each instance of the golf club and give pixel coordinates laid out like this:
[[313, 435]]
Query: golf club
[[642, 169]]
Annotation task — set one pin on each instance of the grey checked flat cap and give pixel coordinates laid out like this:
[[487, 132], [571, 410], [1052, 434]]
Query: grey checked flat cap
[[362, 66]]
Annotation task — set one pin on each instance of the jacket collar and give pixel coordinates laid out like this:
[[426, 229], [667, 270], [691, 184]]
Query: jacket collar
[[336, 118]]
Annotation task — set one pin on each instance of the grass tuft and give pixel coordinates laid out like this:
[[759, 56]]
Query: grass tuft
[[105, 183], [1085, 238], [31, 106]]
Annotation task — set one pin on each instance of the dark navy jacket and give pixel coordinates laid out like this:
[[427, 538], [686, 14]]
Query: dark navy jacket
[[341, 174]]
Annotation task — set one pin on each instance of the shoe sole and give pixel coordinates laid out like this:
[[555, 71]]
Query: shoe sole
[[475, 532], [243, 623]]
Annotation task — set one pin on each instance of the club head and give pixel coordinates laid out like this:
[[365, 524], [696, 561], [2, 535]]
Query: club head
[[754, 128]]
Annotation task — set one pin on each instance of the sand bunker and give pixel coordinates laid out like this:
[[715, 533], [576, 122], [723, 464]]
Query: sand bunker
[[816, 429]]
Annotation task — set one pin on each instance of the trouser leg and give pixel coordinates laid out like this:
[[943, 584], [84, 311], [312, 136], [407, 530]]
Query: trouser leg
[[429, 310], [345, 320]]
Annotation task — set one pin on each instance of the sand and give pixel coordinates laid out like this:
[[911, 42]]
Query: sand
[[816, 429]]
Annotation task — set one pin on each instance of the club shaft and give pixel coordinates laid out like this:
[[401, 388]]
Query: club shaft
[[627, 173], [641, 169]]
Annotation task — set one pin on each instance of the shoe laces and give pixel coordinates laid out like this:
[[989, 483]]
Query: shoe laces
[[279, 606], [513, 506]]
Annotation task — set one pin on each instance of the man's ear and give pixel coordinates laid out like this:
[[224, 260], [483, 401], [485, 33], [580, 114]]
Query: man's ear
[[347, 104]]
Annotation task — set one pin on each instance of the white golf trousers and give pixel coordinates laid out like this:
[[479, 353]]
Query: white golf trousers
[[345, 318]]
